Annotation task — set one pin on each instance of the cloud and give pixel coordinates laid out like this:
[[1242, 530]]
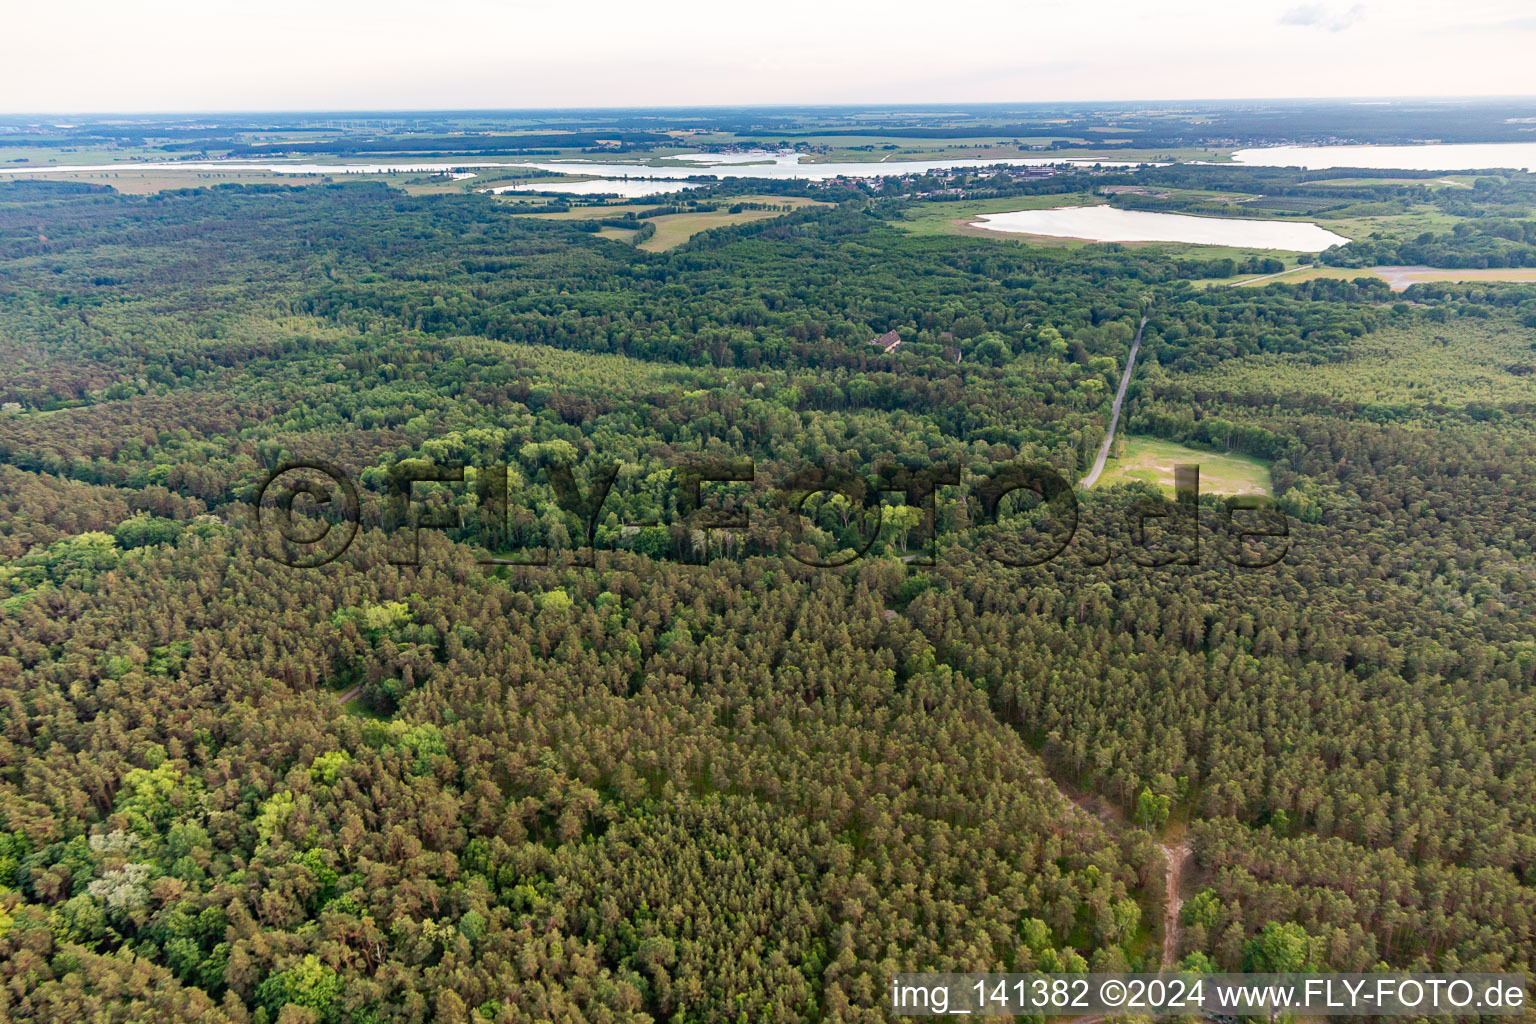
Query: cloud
[[1323, 16], [1510, 25]]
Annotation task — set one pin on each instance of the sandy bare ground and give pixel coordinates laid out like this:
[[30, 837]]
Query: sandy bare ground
[[1400, 278], [1176, 858]]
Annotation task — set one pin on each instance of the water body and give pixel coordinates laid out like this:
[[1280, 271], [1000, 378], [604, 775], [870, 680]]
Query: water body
[[1109, 224], [273, 167], [1432, 157], [793, 166], [725, 165], [764, 164], [750, 156], [631, 189]]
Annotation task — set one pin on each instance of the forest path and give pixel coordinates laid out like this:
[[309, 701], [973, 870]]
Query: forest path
[[350, 694], [1176, 857], [1114, 411], [1175, 860], [1267, 277]]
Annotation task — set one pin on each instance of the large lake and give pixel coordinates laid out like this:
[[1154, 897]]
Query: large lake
[[756, 164], [632, 188], [1109, 224], [1435, 157], [791, 165], [764, 164]]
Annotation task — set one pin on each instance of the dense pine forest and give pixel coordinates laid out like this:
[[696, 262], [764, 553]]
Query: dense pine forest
[[744, 773]]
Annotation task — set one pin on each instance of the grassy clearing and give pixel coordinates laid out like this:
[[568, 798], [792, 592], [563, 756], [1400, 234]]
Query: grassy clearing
[[955, 218], [1399, 277], [437, 185], [49, 156], [1296, 271], [1142, 155], [1300, 274], [593, 212], [1195, 251], [676, 228], [1151, 461], [904, 142], [1185, 250], [357, 709], [1412, 221], [1449, 181], [1208, 195]]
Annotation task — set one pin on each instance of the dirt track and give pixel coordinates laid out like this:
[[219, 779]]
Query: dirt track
[[1176, 857]]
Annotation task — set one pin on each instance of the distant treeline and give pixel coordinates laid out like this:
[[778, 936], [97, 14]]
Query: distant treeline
[[1213, 124], [458, 143], [37, 190]]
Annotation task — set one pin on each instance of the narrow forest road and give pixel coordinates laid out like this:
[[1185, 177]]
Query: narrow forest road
[[1267, 277], [1114, 411]]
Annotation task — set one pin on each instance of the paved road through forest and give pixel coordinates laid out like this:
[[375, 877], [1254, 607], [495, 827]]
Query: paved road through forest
[[1114, 411]]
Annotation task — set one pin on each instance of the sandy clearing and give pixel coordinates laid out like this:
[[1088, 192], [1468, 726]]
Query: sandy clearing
[[1401, 278]]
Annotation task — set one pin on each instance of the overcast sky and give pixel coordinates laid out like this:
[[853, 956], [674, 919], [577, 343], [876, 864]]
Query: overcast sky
[[168, 55]]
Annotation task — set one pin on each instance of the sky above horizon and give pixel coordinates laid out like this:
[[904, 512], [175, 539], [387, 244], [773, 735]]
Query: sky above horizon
[[171, 55]]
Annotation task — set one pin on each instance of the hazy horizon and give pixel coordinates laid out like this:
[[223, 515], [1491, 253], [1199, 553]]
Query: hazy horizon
[[169, 57], [891, 105]]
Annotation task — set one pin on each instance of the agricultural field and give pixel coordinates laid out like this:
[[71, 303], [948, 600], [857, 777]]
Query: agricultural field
[[1149, 460]]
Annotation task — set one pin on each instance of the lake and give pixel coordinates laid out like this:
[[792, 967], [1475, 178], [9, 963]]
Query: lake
[[1430, 157], [766, 164], [760, 164], [633, 188], [1109, 224], [763, 164]]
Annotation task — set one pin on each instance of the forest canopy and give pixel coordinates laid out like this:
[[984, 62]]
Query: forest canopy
[[703, 779]]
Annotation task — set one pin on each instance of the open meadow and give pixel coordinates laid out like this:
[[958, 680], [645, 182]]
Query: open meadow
[[1149, 460], [674, 229]]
